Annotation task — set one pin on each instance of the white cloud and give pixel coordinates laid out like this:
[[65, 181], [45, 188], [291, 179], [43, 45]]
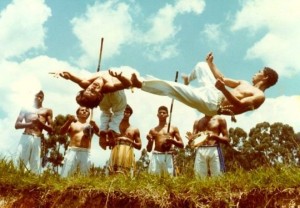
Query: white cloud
[[114, 22], [160, 38], [25, 19], [214, 36], [163, 22], [276, 19], [189, 6], [108, 20], [282, 109]]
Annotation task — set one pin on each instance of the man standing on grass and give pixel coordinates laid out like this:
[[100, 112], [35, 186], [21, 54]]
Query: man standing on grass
[[33, 120], [163, 138], [209, 159], [80, 132], [122, 157]]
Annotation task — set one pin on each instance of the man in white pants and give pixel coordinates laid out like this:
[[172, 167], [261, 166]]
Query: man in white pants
[[163, 140], [212, 97], [209, 159], [34, 120], [80, 132]]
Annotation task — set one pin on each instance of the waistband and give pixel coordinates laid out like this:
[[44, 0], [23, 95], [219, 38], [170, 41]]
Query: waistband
[[225, 109], [162, 153], [33, 135], [79, 149], [208, 146]]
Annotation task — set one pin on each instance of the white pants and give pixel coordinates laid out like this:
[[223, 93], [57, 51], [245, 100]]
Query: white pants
[[205, 98], [161, 163], [29, 153], [112, 110], [207, 159], [76, 159]]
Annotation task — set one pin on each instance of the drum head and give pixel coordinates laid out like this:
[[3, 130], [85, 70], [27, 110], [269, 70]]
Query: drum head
[[199, 140]]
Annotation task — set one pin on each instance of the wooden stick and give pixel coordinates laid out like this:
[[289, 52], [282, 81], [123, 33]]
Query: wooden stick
[[171, 108], [98, 69], [100, 55]]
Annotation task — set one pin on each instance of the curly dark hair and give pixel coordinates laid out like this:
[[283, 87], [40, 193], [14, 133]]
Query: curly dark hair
[[272, 76], [88, 102]]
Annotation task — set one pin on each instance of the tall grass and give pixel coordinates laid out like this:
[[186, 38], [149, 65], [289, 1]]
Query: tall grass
[[274, 177]]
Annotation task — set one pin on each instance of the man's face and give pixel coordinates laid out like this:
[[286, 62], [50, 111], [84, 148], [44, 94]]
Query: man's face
[[38, 99], [127, 113], [83, 112], [258, 77], [93, 90], [162, 114]]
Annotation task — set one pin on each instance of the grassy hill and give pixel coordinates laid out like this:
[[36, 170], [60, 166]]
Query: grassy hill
[[265, 187]]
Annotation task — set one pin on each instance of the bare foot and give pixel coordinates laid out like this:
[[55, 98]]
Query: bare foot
[[102, 140], [135, 82], [111, 138], [185, 79]]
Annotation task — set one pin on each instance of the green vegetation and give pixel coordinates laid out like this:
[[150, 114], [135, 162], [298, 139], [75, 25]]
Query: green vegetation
[[262, 187]]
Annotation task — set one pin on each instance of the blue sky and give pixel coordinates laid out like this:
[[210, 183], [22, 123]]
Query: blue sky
[[153, 37]]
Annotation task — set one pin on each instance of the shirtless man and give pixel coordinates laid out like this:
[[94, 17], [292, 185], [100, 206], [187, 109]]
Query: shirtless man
[[80, 132], [37, 119], [209, 159], [106, 89], [122, 155], [162, 158], [212, 96]]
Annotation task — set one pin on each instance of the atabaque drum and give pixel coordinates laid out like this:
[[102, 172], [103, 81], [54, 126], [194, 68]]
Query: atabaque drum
[[122, 158]]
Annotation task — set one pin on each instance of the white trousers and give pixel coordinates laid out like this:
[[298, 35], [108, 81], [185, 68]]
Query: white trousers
[[112, 110], [161, 163], [76, 159], [29, 153], [205, 97], [207, 159]]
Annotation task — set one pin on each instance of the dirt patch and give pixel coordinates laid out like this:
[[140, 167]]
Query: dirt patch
[[76, 197]]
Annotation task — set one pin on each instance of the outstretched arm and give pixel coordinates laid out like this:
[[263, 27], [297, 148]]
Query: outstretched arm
[[83, 83], [123, 84], [217, 73], [214, 69]]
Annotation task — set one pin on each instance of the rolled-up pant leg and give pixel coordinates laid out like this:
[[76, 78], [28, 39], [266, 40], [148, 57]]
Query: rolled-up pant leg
[[112, 107], [203, 75]]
